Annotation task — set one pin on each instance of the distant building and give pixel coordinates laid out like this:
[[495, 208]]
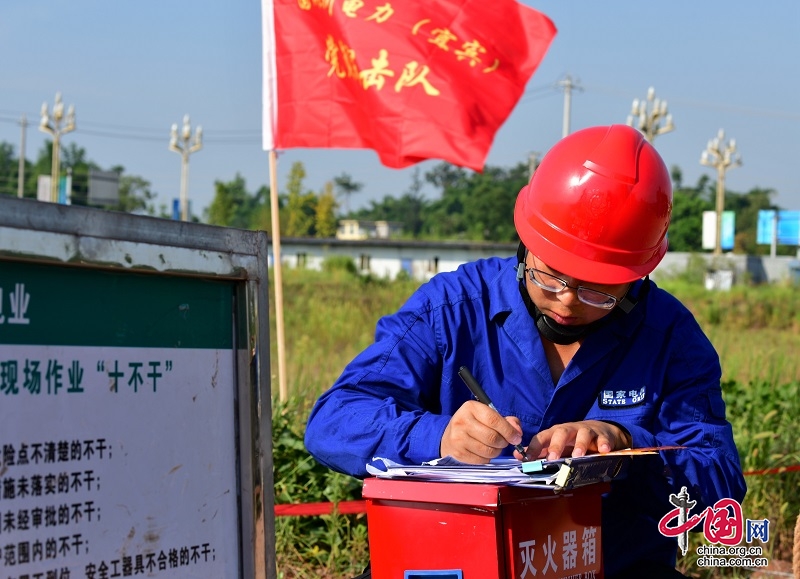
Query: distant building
[[421, 260], [386, 258], [363, 229]]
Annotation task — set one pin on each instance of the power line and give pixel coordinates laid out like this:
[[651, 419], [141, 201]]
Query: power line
[[750, 111], [126, 136], [17, 114], [129, 132], [243, 140], [539, 92], [530, 98]]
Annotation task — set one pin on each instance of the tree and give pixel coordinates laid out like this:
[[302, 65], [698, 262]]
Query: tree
[[477, 206], [232, 205], [9, 167], [301, 206], [445, 218], [73, 156], [489, 204], [412, 207], [75, 163], [325, 223], [688, 203], [261, 219], [135, 195], [686, 226], [445, 175], [677, 177], [346, 186]]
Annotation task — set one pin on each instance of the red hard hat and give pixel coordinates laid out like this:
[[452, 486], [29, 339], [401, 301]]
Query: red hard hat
[[598, 206]]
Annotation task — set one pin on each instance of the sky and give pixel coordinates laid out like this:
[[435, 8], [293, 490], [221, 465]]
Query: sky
[[132, 69]]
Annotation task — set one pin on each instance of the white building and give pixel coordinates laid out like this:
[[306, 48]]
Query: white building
[[363, 229]]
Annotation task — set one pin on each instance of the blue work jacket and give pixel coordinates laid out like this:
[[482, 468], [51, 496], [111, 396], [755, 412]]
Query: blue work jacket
[[652, 371]]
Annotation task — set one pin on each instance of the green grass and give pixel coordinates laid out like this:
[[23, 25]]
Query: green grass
[[330, 317]]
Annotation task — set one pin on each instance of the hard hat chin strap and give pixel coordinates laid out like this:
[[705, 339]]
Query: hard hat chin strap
[[558, 333], [564, 335]]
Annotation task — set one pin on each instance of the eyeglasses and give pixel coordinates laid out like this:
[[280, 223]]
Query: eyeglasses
[[590, 297]]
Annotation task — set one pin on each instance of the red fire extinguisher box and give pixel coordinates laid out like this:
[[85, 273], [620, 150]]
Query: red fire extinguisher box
[[448, 530]]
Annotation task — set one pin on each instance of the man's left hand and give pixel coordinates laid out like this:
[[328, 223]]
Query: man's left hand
[[577, 439]]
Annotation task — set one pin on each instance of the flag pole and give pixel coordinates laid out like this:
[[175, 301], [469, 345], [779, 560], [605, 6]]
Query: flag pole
[[276, 273]]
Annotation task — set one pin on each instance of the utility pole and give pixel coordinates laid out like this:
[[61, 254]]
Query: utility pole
[[185, 149], [646, 115], [52, 124], [533, 162], [568, 85], [21, 172], [723, 156]]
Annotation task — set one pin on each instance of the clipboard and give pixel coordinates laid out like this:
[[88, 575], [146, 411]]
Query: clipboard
[[590, 469]]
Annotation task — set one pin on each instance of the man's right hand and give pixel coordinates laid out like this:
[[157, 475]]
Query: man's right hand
[[476, 433]]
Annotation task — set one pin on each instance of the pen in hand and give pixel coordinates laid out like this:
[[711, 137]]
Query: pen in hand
[[480, 394]]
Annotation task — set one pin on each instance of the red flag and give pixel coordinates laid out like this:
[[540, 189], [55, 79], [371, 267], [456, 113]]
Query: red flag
[[411, 80]]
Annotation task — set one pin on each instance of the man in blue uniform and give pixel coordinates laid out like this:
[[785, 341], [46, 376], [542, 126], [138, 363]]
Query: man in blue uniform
[[576, 347]]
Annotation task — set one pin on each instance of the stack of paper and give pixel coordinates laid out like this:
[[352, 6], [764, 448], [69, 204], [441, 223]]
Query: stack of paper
[[506, 471]]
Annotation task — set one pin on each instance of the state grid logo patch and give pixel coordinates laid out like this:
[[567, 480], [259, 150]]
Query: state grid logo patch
[[621, 398]]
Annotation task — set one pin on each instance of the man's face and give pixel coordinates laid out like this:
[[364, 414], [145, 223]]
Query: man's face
[[565, 306]]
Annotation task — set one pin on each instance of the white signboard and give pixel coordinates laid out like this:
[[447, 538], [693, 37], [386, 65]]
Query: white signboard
[[123, 397], [43, 190], [710, 230], [119, 457]]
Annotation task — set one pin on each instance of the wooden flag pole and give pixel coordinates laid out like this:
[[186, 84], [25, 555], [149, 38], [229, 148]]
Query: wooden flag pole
[[276, 274]]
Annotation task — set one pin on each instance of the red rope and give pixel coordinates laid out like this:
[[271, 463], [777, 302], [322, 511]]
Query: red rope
[[776, 470], [316, 509]]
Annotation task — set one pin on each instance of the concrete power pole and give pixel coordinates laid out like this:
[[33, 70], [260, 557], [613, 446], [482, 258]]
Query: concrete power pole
[[533, 162], [568, 85], [21, 172]]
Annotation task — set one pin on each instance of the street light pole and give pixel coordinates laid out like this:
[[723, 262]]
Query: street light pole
[[52, 124], [723, 156], [646, 115], [185, 149]]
